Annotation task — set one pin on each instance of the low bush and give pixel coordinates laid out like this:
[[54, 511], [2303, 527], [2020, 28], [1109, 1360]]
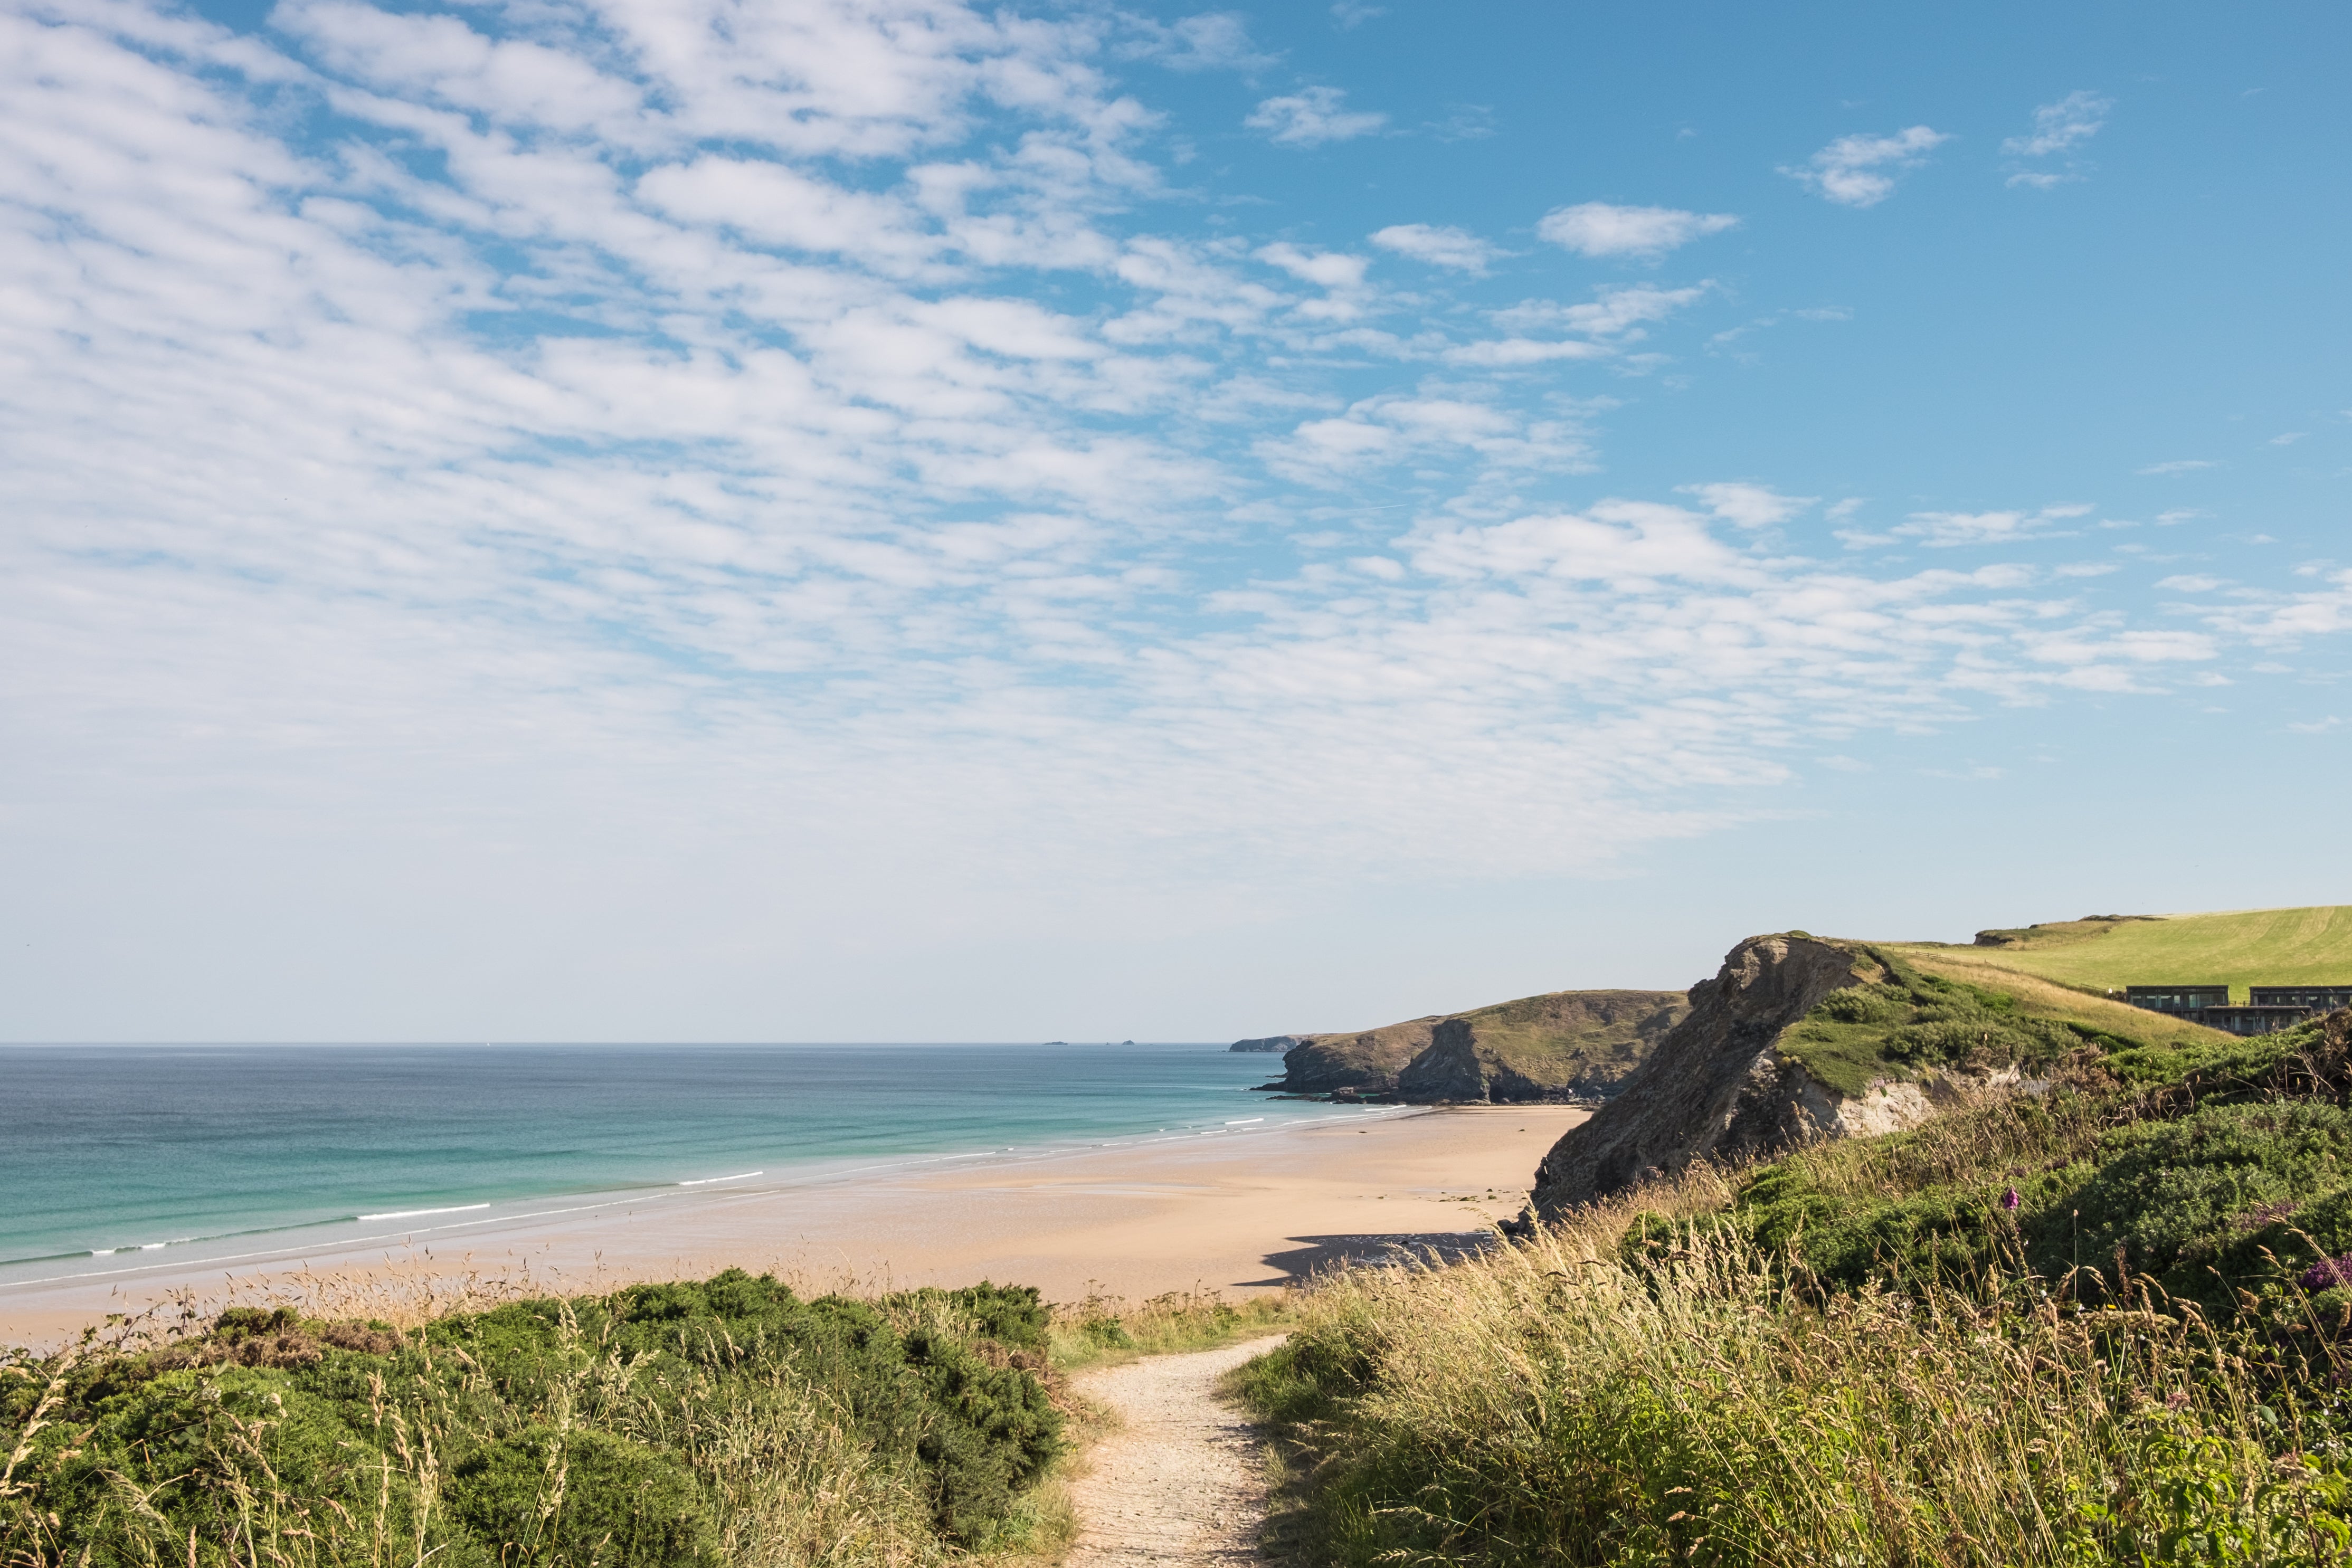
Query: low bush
[[675, 1425]]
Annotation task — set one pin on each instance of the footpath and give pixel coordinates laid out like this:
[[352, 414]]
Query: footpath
[[1180, 1483]]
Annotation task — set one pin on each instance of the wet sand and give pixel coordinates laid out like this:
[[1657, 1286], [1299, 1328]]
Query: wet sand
[[1237, 1214]]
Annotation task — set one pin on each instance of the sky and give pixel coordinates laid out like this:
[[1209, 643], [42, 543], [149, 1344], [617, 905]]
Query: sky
[[677, 519]]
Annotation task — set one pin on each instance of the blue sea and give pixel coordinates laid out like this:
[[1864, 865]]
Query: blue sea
[[123, 1158]]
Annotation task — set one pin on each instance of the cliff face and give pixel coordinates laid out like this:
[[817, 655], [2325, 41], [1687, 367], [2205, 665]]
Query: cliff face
[[1366, 1063], [1569, 1045], [1714, 1085], [1269, 1044]]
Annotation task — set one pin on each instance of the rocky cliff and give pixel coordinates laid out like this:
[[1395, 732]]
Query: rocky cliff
[[1268, 1043], [1796, 1039], [1569, 1045], [1354, 1064], [1714, 1086], [1564, 1045]]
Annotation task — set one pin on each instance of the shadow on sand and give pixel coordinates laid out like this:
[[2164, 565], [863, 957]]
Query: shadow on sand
[[1320, 1254]]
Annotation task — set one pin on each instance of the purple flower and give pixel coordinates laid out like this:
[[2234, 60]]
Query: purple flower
[[2010, 1200], [2327, 1273]]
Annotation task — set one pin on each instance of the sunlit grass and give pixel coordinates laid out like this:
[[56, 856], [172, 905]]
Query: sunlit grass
[[2259, 947]]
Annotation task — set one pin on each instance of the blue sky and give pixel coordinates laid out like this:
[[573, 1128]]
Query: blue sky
[[667, 519]]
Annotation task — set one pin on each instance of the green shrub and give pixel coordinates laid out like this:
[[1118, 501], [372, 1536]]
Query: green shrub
[[668, 1424], [581, 1496]]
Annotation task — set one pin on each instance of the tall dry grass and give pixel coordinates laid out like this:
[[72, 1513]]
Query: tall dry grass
[[1105, 1328], [1559, 1403]]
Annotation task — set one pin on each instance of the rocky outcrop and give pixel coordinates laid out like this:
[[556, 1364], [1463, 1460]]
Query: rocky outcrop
[[1270, 1043], [1355, 1065], [1567, 1046], [1714, 1086], [1574, 1046]]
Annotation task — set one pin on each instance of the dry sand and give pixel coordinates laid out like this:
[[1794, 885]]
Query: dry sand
[[1237, 1214]]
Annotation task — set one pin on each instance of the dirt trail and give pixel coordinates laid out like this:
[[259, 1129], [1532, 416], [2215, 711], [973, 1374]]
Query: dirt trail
[[1180, 1483]]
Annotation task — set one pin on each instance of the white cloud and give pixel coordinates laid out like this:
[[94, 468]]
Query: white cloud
[[638, 492], [1612, 311], [1598, 229], [1749, 505], [1458, 249], [1507, 351], [2288, 438], [2190, 584], [1212, 40], [1328, 268], [2062, 126], [1312, 117], [2178, 465], [1353, 13], [1944, 530], [1861, 170], [1609, 322]]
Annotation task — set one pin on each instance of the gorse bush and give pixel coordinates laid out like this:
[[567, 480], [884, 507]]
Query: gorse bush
[[678, 1424]]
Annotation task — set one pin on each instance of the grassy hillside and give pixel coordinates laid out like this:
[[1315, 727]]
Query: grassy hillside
[[1588, 1041], [1908, 1014], [2256, 946], [1552, 1038], [2107, 1324]]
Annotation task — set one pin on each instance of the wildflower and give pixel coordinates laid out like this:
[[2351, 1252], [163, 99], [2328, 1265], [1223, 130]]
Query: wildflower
[[2010, 1200], [2327, 1273]]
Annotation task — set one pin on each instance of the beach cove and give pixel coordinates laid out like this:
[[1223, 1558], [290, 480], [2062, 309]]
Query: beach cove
[[1242, 1210]]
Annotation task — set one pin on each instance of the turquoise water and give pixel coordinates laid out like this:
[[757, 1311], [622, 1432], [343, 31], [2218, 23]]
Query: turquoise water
[[116, 1156]]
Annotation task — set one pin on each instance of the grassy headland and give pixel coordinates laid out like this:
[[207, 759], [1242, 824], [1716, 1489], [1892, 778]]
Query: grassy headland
[[2255, 946], [1561, 1045], [2107, 1323]]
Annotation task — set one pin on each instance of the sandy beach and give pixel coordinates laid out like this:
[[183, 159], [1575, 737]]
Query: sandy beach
[[1237, 1214]]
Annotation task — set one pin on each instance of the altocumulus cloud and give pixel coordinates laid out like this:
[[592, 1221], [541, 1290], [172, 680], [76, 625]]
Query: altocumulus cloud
[[806, 426], [1861, 170]]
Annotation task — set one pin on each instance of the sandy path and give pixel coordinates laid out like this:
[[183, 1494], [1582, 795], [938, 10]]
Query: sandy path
[[1180, 1483]]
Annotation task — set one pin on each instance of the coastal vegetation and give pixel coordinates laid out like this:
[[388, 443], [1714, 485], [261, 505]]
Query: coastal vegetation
[[685, 1424], [2107, 1322]]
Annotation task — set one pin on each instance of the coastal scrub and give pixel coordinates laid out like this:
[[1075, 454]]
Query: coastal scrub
[[668, 1426], [2108, 1324]]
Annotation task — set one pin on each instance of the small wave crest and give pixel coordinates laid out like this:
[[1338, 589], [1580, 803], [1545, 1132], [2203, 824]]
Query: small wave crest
[[418, 1213], [706, 1181]]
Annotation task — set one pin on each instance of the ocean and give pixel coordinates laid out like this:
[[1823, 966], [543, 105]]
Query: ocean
[[117, 1160]]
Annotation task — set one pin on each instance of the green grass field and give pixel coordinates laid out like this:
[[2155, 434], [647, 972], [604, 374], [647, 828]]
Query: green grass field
[[2255, 946]]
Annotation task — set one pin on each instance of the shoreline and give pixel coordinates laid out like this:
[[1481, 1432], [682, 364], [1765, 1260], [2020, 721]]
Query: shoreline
[[322, 1238], [1228, 1209]]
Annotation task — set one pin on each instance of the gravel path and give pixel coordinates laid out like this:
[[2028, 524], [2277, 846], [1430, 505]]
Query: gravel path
[[1180, 1483]]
